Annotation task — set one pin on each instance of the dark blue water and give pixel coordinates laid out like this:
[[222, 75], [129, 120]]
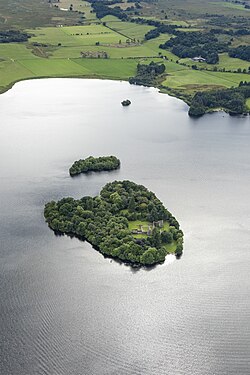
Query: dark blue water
[[65, 310]]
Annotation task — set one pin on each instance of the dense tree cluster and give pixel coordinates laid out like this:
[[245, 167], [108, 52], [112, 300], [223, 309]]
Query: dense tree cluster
[[241, 52], [146, 74], [102, 9], [193, 44], [104, 222], [126, 103], [232, 100], [10, 36], [91, 164], [224, 21], [161, 29]]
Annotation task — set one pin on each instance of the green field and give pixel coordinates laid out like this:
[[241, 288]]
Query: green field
[[60, 36], [113, 52], [15, 51], [225, 61], [87, 35], [79, 5], [111, 68], [194, 79], [128, 29]]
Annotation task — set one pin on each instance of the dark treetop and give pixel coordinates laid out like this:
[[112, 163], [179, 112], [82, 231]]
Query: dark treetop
[[126, 102], [91, 164], [108, 222]]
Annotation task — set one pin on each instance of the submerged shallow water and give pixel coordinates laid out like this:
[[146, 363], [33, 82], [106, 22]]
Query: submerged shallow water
[[65, 310]]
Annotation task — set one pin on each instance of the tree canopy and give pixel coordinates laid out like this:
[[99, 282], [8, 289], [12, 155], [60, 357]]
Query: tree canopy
[[232, 100], [193, 44], [104, 222], [147, 73], [91, 164], [11, 36]]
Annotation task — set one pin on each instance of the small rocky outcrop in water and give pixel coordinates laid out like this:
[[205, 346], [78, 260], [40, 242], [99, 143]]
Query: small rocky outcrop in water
[[126, 102]]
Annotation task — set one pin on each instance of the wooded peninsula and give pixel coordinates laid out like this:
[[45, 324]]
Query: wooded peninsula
[[126, 221]]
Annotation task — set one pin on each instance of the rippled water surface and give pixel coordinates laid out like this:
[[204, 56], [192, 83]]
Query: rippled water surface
[[65, 310]]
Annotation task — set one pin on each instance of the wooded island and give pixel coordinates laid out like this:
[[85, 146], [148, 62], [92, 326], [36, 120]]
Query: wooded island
[[127, 221], [91, 164]]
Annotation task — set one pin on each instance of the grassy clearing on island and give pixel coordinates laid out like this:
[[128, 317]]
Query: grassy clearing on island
[[133, 225]]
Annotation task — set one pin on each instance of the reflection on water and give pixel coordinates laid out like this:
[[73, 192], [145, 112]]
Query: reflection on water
[[67, 310]]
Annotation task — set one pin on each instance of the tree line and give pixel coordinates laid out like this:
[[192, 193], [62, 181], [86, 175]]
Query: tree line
[[232, 100], [13, 36], [192, 44], [146, 74], [241, 52], [102, 9]]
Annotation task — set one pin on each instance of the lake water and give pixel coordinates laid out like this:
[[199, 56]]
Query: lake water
[[65, 310]]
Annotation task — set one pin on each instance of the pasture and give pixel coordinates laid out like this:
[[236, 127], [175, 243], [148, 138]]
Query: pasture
[[128, 29], [56, 51], [87, 35], [229, 63], [193, 80]]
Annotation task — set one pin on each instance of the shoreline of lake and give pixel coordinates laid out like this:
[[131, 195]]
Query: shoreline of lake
[[57, 290]]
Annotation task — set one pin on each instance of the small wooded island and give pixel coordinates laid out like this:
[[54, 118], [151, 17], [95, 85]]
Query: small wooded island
[[91, 164], [126, 102], [127, 221]]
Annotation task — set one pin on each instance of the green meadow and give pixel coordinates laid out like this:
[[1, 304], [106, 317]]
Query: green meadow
[[225, 61], [75, 35], [187, 82], [56, 52], [128, 29]]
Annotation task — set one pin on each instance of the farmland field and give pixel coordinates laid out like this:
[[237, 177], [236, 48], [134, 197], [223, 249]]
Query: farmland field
[[229, 63], [76, 35], [185, 79], [58, 43]]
